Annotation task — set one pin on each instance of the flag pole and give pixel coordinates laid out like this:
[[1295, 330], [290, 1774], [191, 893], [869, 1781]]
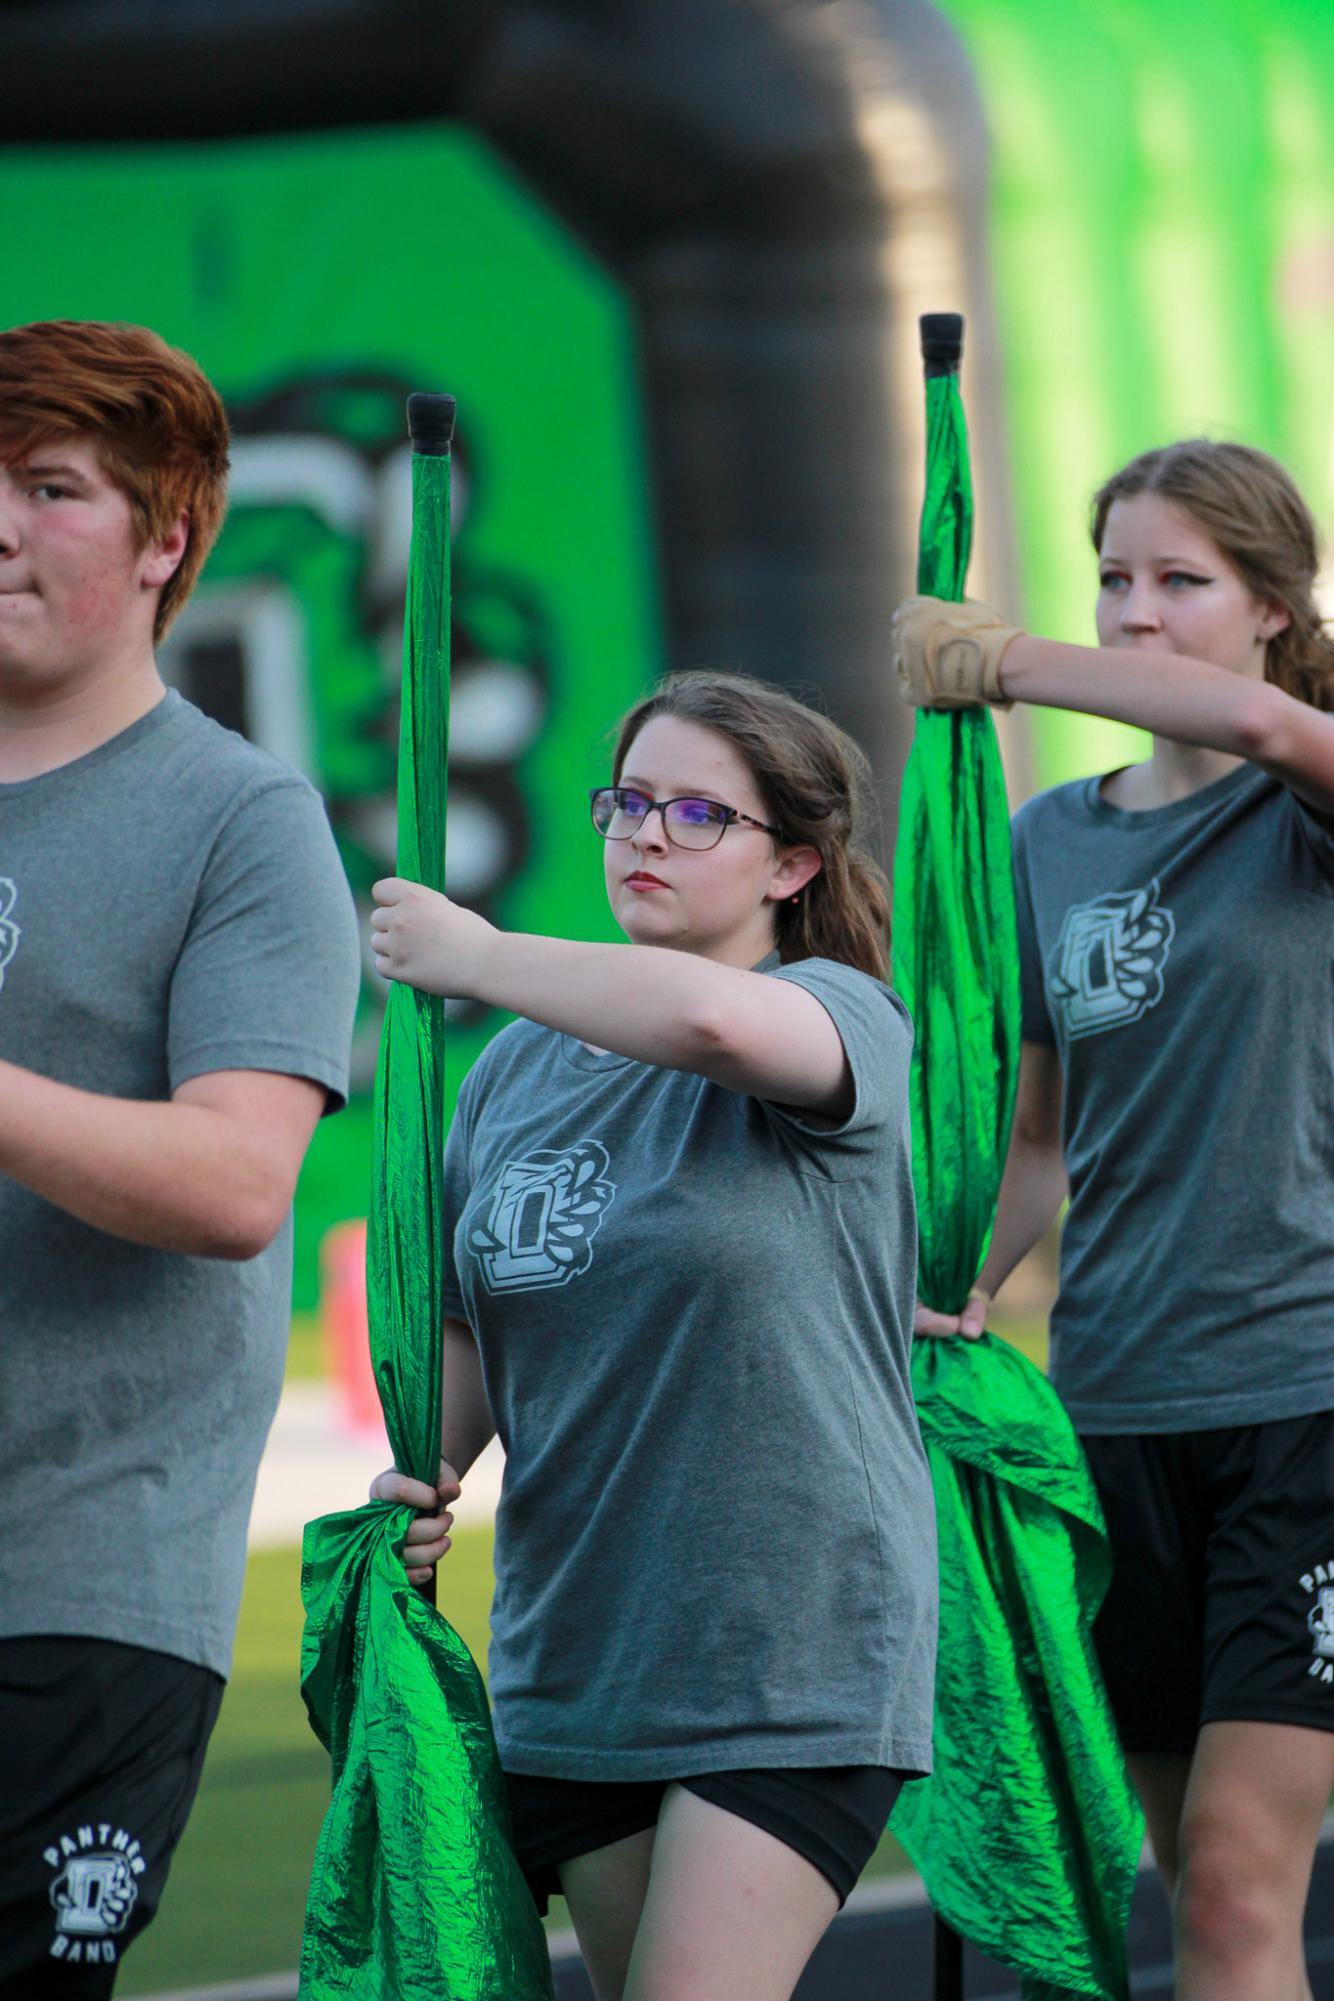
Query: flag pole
[[424, 719], [943, 560]]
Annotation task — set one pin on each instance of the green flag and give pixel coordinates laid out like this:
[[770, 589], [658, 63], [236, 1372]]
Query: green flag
[[415, 1894], [1027, 1833]]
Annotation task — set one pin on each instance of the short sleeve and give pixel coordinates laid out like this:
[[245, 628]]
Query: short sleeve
[[457, 1186], [1036, 1021], [876, 1034], [268, 975]]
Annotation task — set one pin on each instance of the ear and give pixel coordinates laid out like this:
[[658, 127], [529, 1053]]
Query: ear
[[792, 873], [1274, 618], [162, 559]]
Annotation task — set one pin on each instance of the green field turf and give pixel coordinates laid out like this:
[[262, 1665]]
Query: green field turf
[[307, 1360]]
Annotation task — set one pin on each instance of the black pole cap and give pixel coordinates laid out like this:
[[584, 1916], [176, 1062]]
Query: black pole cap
[[431, 423], [942, 342]]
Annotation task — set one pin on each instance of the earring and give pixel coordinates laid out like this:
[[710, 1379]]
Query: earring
[[796, 898]]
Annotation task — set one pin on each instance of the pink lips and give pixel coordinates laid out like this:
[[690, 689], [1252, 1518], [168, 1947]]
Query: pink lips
[[642, 881]]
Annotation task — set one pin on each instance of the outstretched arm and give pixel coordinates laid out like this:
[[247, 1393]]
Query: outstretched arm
[[765, 1037], [1188, 701], [953, 655]]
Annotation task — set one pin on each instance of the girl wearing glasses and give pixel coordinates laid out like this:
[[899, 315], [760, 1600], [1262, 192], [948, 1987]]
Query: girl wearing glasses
[[1177, 939], [681, 1219]]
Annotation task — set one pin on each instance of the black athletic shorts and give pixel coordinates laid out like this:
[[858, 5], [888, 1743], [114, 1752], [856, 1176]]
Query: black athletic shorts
[[833, 1816], [101, 1747], [1221, 1606]]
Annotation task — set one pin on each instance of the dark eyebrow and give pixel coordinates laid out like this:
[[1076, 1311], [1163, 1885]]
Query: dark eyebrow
[[31, 471], [1161, 562], [642, 785]]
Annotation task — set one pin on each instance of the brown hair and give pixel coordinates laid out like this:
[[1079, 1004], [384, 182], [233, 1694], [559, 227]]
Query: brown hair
[[154, 418], [1250, 506], [812, 778]]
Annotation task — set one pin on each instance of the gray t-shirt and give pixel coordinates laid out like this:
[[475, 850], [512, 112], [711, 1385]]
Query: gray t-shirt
[[1180, 960], [715, 1545], [171, 904]]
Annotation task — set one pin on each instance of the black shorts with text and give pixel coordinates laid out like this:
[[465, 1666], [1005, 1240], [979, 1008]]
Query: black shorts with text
[[1221, 1605], [101, 1748]]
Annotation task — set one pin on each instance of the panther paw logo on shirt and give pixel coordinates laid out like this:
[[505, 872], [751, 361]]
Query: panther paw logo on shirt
[[545, 1211], [1108, 966]]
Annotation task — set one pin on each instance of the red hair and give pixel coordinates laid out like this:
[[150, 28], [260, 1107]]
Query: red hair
[[152, 415]]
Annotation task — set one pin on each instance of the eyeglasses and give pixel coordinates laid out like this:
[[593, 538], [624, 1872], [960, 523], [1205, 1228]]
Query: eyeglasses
[[619, 812]]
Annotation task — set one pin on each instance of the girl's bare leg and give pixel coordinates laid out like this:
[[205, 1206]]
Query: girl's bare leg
[[1249, 1825], [605, 1891], [730, 1909]]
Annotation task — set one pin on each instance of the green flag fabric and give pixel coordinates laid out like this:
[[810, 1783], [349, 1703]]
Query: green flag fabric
[[956, 947], [415, 1894], [1027, 1833]]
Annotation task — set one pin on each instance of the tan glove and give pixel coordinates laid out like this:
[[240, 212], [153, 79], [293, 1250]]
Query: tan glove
[[948, 656]]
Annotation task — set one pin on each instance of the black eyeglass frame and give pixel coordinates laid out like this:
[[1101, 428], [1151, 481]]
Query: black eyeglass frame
[[660, 806]]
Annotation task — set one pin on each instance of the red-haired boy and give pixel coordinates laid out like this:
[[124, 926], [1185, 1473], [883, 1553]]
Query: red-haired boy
[[178, 971]]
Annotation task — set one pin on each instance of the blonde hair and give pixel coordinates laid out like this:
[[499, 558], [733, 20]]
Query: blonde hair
[[1249, 505], [813, 780]]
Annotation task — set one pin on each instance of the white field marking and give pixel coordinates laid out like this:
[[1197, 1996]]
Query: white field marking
[[316, 1464]]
